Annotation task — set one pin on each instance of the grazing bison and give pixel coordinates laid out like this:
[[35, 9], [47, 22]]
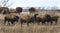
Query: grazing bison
[[29, 20], [41, 18], [23, 21], [24, 18], [48, 19], [54, 18], [11, 19], [19, 10], [38, 19], [32, 19]]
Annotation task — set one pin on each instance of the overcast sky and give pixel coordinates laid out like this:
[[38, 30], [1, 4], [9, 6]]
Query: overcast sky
[[34, 3]]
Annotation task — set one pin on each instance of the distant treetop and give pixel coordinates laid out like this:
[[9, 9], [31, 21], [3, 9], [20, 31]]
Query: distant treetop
[[32, 9]]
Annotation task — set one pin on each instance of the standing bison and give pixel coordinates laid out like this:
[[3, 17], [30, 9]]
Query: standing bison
[[38, 20], [55, 18], [30, 19], [47, 18], [11, 18], [51, 19]]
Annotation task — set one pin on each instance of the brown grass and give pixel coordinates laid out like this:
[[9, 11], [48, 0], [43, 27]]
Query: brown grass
[[33, 28]]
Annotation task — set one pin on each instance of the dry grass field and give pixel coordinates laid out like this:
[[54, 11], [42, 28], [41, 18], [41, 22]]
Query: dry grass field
[[32, 28]]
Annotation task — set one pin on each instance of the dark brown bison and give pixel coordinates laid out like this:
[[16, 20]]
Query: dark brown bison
[[38, 20], [4, 10], [23, 21], [11, 18], [41, 18], [54, 18], [29, 20], [47, 18], [32, 19], [19, 9]]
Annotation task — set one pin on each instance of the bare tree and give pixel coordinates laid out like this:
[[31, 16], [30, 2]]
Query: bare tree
[[19, 9], [4, 3], [54, 8], [32, 9]]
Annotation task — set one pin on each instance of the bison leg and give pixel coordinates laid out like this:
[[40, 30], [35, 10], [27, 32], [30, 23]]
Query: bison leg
[[51, 22], [12, 22], [38, 23], [43, 22], [8, 23], [48, 22], [27, 24], [56, 22], [21, 24], [16, 20], [4, 21]]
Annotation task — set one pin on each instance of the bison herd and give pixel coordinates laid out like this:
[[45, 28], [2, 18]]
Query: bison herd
[[34, 19], [10, 18]]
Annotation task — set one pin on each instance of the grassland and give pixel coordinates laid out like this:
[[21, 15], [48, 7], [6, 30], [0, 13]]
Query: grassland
[[32, 28]]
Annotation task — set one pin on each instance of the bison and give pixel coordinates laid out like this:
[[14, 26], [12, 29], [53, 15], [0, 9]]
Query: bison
[[50, 19], [38, 20], [29, 20], [47, 18], [54, 18], [11, 19], [32, 19]]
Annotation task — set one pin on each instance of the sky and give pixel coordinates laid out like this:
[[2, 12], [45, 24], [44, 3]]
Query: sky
[[34, 3]]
